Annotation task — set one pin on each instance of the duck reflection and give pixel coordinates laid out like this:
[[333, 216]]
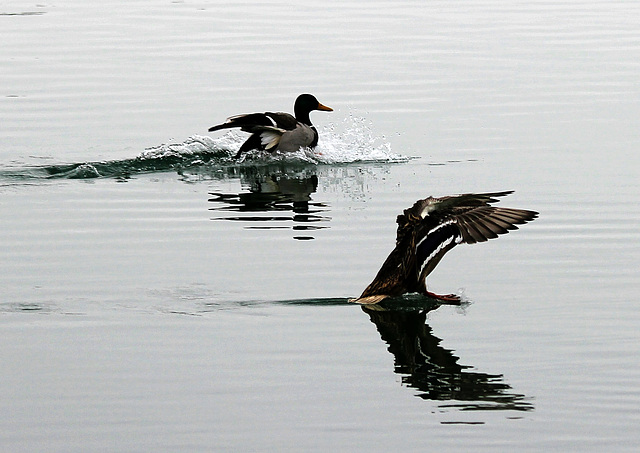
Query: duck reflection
[[425, 365], [270, 199]]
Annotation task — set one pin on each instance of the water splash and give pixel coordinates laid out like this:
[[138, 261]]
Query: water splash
[[356, 143]]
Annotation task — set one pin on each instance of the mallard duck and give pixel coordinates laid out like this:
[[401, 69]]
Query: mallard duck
[[428, 230], [278, 131]]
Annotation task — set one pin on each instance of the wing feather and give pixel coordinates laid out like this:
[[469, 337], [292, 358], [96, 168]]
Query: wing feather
[[432, 227], [247, 122], [481, 224], [269, 136], [489, 223], [471, 228], [282, 120]]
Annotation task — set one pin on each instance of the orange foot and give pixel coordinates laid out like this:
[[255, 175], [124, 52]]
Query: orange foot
[[446, 297]]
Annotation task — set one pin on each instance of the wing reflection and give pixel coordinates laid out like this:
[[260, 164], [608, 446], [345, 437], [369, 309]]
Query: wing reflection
[[434, 370], [275, 201]]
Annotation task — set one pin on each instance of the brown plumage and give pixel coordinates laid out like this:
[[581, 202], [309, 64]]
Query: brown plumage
[[432, 227]]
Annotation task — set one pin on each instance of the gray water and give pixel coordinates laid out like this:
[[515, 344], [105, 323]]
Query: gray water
[[158, 296]]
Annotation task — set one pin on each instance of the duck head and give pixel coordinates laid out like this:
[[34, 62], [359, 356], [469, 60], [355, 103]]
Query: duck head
[[305, 103]]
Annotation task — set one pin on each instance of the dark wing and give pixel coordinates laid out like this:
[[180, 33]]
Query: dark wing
[[247, 122], [474, 216], [432, 243], [444, 205], [283, 120], [487, 222], [269, 136], [467, 218], [432, 227]]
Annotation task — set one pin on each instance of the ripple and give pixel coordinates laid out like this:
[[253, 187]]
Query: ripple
[[356, 144]]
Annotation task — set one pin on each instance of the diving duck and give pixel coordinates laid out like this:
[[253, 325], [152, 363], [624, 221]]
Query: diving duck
[[278, 131], [428, 230]]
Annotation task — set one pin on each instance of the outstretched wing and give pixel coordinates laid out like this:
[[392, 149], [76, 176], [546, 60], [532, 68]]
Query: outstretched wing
[[249, 121], [432, 245], [487, 222], [432, 227], [467, 218]]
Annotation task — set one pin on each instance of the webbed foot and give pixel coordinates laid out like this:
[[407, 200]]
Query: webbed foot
[[446, 297]]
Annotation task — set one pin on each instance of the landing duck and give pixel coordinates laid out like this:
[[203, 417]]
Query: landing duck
[[428, 230], [278, 131]]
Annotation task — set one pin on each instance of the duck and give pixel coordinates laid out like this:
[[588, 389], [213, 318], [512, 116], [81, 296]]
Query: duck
[[278, 131], [428, 230]]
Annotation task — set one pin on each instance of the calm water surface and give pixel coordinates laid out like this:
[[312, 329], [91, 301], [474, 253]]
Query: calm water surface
[[157, 296]]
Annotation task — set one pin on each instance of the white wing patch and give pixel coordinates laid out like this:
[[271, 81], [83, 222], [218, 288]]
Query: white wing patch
[[436, 228], [440, 242], [437, 250], [273, 122], [271, 138]]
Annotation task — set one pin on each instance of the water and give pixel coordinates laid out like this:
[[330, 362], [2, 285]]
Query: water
[[156, 295]]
